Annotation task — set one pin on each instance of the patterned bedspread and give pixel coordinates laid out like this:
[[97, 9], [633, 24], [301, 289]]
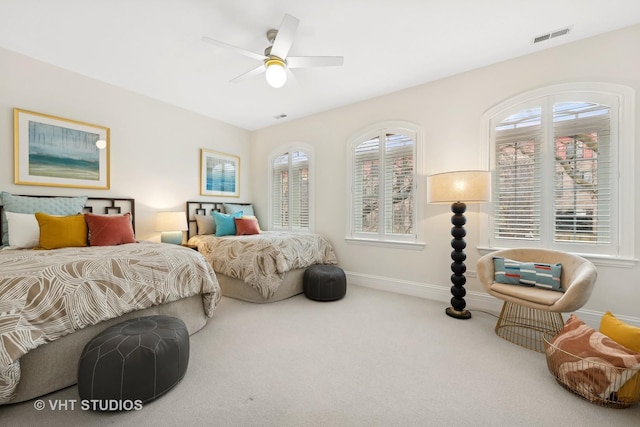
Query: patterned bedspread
[[262, 259], [45, 295]]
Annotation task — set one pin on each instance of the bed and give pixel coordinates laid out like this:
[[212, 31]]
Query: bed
[[262, 267], [52, 302]]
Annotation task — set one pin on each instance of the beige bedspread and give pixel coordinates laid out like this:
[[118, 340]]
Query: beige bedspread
[[45, 295], [261, 260]]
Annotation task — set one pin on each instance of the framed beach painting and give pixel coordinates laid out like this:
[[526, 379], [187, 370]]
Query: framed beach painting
[[219, 174], [57, 152]]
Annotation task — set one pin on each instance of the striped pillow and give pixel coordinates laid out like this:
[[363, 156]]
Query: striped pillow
[[531, 274]]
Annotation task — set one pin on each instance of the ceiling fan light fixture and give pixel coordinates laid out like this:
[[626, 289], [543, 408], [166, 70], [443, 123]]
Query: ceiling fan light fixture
[[276, 73]]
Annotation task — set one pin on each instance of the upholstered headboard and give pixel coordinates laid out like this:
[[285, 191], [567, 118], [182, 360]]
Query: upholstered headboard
[[202, 208], [101, 205]]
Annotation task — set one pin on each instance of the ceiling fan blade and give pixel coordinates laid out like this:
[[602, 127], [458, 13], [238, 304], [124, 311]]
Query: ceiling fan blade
[[284, 39], [240, 50], [259, 69], [314, 61]]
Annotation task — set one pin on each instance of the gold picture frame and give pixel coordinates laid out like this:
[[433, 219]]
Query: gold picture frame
[[58, 152], [219, 174]]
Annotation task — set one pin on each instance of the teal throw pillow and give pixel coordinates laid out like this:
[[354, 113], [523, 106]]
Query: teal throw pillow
[[541, 275], [225, 224]]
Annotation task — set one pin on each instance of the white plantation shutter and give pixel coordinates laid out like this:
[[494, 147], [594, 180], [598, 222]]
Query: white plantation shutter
[[398, 186], [290, 191], [383, 186], [583, 177], [555, 181], [518, 170]]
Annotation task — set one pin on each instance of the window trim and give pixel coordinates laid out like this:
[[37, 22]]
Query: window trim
[[624, 156], [288, 148], [381, 239]]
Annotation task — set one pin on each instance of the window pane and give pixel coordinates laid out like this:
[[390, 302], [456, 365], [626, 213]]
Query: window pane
[[399, 171], [366, 186], [517, 193], [581, 180]]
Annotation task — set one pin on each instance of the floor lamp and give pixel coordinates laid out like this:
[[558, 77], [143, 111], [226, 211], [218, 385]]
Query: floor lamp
[[459, 188]]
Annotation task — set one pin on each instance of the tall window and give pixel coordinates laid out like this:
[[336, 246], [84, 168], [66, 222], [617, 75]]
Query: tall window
[[556, 165], [384, 171], [290, 199]]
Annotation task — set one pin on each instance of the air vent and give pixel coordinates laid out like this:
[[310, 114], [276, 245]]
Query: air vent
[[551, 35]]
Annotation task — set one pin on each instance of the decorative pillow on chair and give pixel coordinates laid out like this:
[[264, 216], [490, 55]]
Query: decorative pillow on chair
[[24, 230], [595, 380], [225, 224], [247, 225], [61, 231], [537, 274], [108, 230]]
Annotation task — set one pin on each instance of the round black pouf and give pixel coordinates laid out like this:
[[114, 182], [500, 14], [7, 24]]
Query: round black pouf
[[324, 283], [138, 359]]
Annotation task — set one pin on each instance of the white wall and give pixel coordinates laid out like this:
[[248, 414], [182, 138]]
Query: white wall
[[155, 147], [449, 110]]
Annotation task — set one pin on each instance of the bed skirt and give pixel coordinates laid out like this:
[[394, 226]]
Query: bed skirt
[[238, 289]]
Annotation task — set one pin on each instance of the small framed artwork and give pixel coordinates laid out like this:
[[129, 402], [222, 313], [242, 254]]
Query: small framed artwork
[[57, 152], [219, 174]]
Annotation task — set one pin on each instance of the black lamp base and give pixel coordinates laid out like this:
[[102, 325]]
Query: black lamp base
[[452, 312]]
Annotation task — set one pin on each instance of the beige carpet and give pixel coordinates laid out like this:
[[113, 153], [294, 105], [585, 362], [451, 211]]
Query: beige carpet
[[371, 359]]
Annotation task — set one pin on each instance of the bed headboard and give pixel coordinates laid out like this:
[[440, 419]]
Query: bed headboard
[[101, 205], [202, 208]]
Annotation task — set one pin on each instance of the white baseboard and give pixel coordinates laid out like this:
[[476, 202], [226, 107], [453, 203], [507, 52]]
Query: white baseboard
[[475, 300]]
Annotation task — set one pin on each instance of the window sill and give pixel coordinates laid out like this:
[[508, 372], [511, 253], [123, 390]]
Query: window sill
[[397, 244], [598, 260]]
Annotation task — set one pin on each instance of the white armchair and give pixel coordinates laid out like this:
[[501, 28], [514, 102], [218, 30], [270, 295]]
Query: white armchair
[[530, 312]]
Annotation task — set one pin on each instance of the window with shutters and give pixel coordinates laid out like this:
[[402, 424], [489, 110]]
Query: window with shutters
[[383, 169], [557, 176], [290, 189]]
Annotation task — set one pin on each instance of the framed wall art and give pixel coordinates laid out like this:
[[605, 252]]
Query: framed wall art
[[57, 152], [219, 174]]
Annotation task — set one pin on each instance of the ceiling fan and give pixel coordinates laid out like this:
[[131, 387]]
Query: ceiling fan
[[275, 62]]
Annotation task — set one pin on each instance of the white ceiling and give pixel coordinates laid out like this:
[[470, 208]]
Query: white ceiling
[[155, 47]]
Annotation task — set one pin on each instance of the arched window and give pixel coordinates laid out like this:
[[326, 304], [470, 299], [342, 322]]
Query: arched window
[[557, 158], [290, 188], [384, 171]]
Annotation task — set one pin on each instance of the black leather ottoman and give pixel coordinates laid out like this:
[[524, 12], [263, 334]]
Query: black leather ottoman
[[324, 282], [138, 359]]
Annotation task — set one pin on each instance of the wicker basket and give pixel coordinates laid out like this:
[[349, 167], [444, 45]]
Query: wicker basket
[[585, 373]]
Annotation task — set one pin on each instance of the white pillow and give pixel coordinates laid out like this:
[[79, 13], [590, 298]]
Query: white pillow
[[24, 230]]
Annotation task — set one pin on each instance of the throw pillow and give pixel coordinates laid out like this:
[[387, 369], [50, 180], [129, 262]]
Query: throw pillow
[[31, 205], [24, 231], [225, 224], [61, 231], [107, 230], [206, 224], [246, 226], [231, 208], [537, 274], [629, 337], [595, 380]]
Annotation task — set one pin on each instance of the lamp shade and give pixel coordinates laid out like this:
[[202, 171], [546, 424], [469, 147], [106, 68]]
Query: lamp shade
[[171, 221], [276, 74], [472, 186]]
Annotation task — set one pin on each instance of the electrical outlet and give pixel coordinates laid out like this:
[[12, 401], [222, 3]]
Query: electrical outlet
[[471, 274]]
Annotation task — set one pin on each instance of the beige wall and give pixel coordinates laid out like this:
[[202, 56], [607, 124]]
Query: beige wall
[[155, 147], [449, 110]]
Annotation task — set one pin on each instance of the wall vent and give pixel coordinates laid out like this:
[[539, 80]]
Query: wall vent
[[551, 35]]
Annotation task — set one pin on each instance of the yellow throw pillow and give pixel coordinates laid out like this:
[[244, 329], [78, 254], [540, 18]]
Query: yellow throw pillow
[[61, 231], [629, 337]]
